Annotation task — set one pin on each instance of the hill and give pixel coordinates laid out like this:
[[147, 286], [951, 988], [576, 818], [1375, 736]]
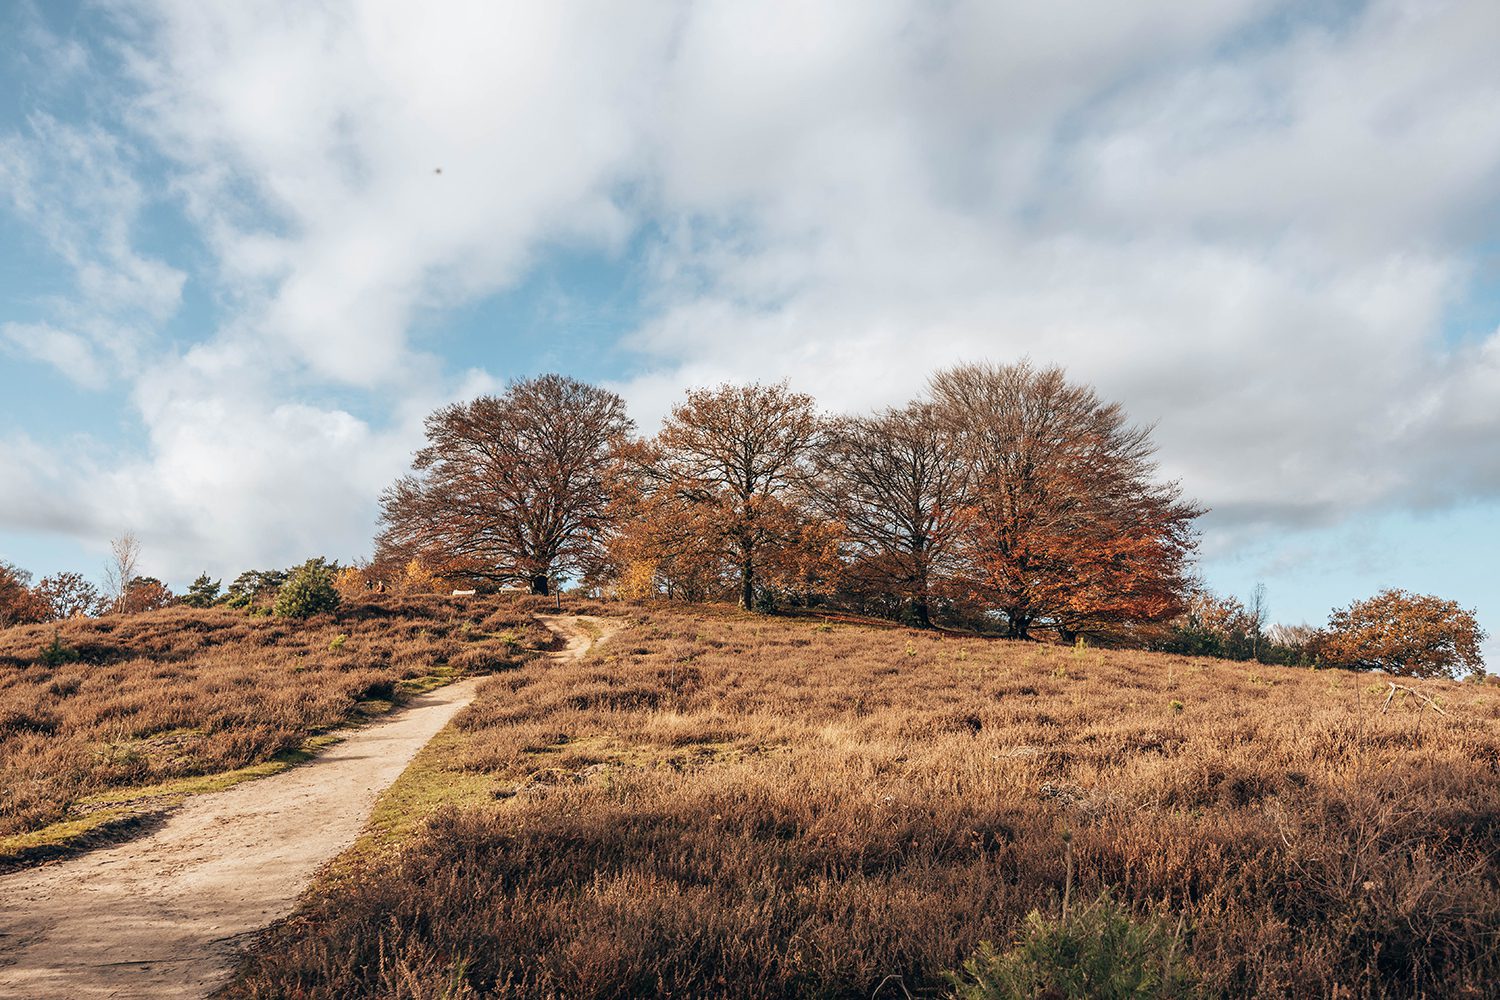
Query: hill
[[720, 804], [715, 803]]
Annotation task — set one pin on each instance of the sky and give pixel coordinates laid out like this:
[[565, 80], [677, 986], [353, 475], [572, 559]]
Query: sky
[[245, 248]]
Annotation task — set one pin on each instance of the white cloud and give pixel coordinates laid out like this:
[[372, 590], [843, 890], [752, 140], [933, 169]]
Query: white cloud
[[69, 353], [355, 164], [1248, 224], [1254, 241]]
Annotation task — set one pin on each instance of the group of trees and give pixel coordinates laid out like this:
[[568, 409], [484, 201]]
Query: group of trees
[[1007, 498], [1394, 631], [304, 589], [68, 595], [1008, 494]]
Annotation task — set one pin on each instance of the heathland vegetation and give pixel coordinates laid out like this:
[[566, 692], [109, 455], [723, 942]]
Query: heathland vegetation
[[1006, 501], [106, 720], [720, 804]]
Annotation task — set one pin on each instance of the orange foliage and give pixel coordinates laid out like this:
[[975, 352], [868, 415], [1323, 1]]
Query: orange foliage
[[1414, 634], [416, 578], [351, 582]]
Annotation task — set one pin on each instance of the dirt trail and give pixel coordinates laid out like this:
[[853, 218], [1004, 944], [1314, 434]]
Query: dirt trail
[[161, 916]]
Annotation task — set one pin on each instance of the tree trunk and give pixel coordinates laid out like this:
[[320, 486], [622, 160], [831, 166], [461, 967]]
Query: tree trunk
[[1020, 626], [539, 584], [747, 585], [920, 612]]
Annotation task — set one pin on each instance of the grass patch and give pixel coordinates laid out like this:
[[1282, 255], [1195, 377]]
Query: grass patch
[[123, 808], [427, 785]]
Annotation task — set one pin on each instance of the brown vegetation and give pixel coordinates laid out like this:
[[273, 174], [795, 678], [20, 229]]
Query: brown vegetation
[[511, 487], [95, 706], [716, 804], [724, 479], [1414, 634]]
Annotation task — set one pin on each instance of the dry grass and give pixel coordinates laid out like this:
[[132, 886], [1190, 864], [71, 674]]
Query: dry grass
[[162, 704], [715, 804]]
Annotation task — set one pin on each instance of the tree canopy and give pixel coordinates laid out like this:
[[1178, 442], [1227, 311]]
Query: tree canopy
[[510, 487], [1418, 635]]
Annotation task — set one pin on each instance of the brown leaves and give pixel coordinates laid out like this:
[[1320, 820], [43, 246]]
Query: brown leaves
[[1413, 634], [720, 486], [1066, 525], [512, 487]]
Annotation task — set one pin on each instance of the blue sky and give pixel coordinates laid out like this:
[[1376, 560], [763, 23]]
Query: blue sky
[[244, 248]]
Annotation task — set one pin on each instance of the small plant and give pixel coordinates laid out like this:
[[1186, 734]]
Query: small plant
[[308, 592], [55, 654], [337, 643], [1176, 707], [1098, 952]]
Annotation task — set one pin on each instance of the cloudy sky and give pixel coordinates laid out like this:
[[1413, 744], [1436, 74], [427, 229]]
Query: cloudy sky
[[245, 247]]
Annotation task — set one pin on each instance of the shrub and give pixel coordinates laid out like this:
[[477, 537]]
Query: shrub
[[418, 579], [351, 582], [55, 654], [1098, 953], [308, 592]]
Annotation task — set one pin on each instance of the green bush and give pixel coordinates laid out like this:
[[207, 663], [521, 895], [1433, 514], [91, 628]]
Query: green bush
[[55, 654], [202, 592], [308, 592], [1098, 953]]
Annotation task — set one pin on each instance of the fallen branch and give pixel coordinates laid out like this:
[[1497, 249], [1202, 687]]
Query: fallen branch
[[1409, 690]]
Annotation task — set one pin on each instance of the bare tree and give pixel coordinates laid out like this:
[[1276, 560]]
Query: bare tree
[[899, 484], [119, 572], [739, 458], [1257, 613], [510, 487]]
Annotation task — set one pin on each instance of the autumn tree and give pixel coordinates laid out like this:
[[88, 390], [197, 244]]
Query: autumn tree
[[147, 593], [19, 604], [1211, 625], [512, 487], [659, 544], [1068, 527], [899, 484], [1416, 635], [69, 595], [352, 582], [732, 465]]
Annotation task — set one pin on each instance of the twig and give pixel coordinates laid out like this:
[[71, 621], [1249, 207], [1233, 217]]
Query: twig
[[1409, 690], [899, 982]]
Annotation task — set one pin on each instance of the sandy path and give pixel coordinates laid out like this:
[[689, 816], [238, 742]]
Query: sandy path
[[160, 916]]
